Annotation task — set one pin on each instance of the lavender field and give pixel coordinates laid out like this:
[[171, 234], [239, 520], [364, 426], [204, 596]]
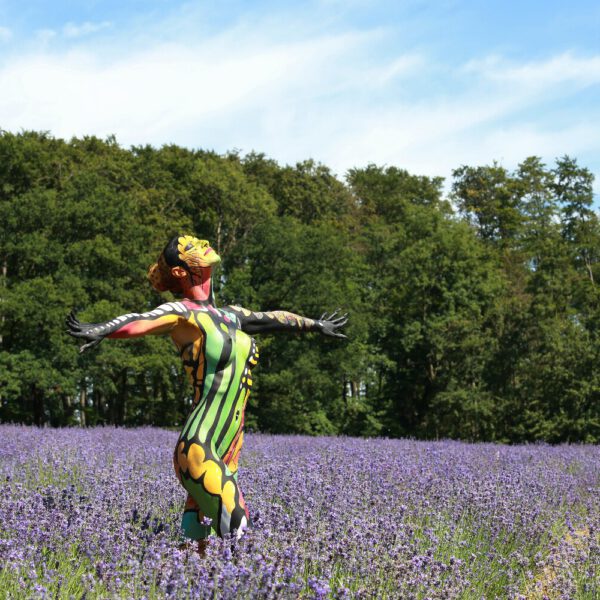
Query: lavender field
[[95, 513]]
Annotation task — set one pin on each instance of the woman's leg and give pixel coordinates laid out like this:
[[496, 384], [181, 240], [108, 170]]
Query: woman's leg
[[213, 490], [192, 520]]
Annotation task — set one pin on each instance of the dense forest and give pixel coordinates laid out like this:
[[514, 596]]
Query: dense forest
[[474, 314]]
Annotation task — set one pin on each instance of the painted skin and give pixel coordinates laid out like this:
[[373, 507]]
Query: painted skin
[[218, 356]]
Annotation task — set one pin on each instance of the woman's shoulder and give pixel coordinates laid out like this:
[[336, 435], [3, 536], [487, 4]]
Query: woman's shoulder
[[177, 308]]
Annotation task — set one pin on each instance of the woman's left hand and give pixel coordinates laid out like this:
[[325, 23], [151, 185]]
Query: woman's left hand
[[329, 325]]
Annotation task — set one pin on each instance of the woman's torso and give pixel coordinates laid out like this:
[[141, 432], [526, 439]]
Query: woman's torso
[[218, 358]]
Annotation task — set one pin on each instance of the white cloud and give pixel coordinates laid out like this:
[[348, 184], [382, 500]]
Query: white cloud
[[157, 94], [5, 34], [562, 69], [499, 113], [45, 35], [74, 30], [329, 97]]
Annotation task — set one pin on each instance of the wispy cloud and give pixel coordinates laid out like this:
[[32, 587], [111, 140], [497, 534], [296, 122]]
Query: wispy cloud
[[74, 30], [565, 68], [45, 35], [495, 117], [5, 34], [158, 94], [334, 97]]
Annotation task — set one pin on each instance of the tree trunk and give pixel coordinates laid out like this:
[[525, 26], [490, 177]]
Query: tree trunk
[[82, 404], [219, 226], [588, 266], [121, 400], [100, 408], [2, 288], [38, 405], [67, 409]]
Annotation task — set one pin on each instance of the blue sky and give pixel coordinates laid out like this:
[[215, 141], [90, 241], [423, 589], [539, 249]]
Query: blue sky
[[427, 86]]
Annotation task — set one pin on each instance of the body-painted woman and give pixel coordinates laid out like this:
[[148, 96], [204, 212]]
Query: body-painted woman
[[218, 355]]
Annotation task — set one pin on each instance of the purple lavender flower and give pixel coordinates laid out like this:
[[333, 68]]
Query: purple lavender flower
[[96, 513]]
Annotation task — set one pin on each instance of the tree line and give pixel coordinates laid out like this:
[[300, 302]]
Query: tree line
[[474, 314]]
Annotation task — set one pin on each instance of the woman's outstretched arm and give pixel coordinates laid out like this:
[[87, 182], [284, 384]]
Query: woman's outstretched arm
[[157, 321], [282, 320]]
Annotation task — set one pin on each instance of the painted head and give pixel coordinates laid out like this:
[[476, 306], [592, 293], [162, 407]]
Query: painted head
[[185, 257]]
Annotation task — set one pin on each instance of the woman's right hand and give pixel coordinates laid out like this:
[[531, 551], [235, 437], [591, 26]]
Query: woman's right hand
[[85, 331]]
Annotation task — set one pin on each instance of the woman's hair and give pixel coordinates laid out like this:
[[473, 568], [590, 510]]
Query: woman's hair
[[159, 273]]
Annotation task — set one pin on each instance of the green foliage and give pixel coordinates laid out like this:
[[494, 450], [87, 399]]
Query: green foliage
[[479, 323]]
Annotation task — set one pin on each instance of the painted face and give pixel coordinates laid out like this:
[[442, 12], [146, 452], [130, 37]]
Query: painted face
[[195, 253]]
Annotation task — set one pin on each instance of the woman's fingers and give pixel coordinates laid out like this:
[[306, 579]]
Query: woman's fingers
[[77, 329], [343, 318], [76, 333], [89, 345], [339, 322], [324, 316], [72, 320], [333, 322], [333, 333], [74, 323]]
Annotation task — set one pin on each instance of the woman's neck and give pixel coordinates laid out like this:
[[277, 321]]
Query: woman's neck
[[199, 287]]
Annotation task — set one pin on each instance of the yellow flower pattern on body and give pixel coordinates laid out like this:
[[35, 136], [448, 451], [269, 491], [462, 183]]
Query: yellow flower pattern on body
[[182, 461], [196, 464], [228, 496], [195, 460]]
